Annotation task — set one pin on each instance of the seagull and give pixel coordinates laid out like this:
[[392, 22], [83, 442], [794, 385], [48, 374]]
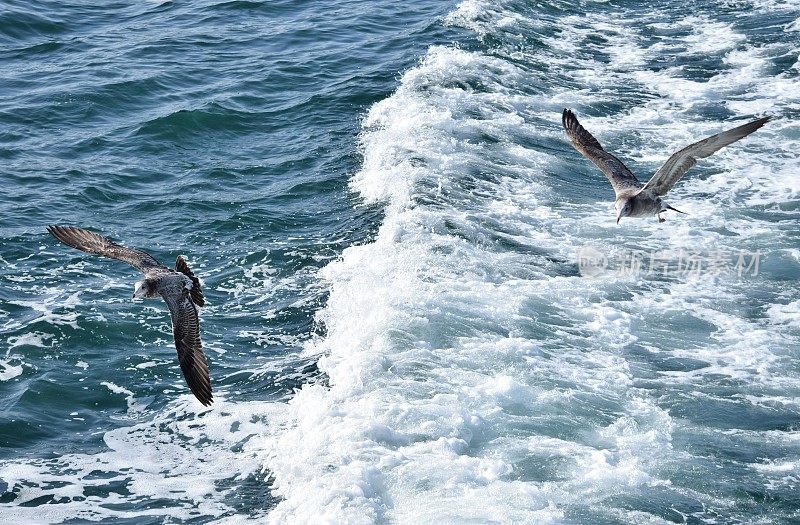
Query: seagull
[[179, 288], [633, 199]]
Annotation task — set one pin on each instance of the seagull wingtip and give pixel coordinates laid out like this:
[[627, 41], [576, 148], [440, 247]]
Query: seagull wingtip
[[206, 398], [55, 230], [759, 122], [567, 116]]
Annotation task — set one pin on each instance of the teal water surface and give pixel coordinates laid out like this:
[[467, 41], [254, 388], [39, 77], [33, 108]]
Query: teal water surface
[[223, 131], [387, 219]]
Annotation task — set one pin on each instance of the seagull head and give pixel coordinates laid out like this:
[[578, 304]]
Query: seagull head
[[140, 290], [624, 208]]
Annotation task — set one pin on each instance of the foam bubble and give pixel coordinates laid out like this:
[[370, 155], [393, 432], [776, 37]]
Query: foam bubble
[[709, 36], [9, 371], [788, 314]]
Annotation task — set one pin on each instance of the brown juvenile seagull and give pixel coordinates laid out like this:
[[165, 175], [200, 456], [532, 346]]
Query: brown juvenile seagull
[[179, 288], [633, 199]]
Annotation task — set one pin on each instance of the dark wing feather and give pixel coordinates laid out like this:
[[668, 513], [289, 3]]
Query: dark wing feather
[[618, 174], [186, 329], [89, 242], [679, 163], [197, 291]]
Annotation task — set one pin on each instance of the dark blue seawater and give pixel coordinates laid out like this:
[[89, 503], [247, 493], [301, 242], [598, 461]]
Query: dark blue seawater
[[388, 221]]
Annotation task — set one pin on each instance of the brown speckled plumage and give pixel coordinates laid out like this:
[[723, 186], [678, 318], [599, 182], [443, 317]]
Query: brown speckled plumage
[[179, 288]]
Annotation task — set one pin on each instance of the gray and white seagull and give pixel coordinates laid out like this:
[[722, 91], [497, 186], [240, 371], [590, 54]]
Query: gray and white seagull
[[179, 288], [633, 199]]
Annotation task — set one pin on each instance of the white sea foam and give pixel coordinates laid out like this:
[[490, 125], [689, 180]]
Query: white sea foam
[[194, 458], [785, 313], [472, 377], [709, 36], [37, 339], [8, 370]]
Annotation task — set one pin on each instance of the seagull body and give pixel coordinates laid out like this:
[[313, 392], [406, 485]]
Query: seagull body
[[178, 287], [632, 198]]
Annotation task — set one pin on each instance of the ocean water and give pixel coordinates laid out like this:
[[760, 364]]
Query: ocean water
[[393, 231]]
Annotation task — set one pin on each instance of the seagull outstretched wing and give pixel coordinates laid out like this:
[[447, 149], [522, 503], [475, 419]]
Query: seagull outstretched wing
[[186, 329], [680, 162], [89, 242], [618, 174]]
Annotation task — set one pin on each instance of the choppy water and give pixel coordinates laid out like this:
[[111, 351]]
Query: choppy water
[[388, 218]]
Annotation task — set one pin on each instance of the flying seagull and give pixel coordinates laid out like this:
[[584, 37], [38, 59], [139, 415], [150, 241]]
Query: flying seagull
[[633, 199], [179, 288]]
